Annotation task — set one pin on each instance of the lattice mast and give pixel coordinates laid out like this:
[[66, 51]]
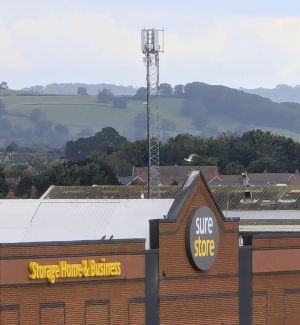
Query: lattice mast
[[152, 45]]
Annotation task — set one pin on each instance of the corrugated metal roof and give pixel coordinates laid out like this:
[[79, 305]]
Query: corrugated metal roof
[[267, 220], [15, 216], [106, 192], [264, 214], [234, 197], [267, 197], [68, 220]]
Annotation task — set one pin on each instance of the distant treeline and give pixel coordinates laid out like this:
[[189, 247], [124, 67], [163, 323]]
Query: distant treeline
[[101, 158], [253, 151], [72, 89]]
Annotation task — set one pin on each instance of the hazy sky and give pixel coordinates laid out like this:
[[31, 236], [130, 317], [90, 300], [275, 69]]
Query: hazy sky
[[231, 42]]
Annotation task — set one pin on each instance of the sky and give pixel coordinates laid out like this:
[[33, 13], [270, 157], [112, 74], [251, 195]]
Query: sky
[[237, 43]]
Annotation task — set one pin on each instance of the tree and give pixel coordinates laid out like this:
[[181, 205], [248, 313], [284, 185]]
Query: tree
[[141, 94], [81, 148], [82, 91], [105, 95], [3, 184], [3, 85], [178, 148], [83, 173], [165, 89], [23, 189], [193, 90], [179, 90], [203, 160], [241, 151], [12, 147], [264, 164]]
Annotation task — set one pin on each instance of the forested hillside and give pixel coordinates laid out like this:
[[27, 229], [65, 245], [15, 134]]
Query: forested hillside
[[196, 108], [253, 151]]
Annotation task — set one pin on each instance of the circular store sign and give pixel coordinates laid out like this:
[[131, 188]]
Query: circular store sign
[[202, 238]]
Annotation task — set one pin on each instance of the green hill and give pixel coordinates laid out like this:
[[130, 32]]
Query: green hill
[[202, 110]]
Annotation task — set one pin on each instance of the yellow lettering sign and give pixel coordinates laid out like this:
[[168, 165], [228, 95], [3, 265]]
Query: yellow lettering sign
[[63, 269], [204, 247]]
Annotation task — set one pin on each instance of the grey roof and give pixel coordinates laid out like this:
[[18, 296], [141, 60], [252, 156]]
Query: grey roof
[[267, 221], [257, 179], [234, 197], [170, 175], [226, 180], [106, 192], [268, 197], [125, 180], [269, 178]]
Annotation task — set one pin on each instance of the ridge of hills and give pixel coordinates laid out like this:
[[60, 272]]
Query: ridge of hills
[[204, 110], [71, 89], [281, 93]]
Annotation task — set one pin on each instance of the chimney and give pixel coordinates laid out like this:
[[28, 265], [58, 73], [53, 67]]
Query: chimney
[[245, 179]]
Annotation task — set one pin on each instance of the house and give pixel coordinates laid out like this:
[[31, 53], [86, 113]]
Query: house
[[253, 179], [174, 175]]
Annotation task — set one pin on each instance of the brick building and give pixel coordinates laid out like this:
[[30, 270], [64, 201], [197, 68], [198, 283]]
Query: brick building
[[147, 262]]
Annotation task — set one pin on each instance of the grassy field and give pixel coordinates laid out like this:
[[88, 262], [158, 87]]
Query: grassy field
[[82, 112]]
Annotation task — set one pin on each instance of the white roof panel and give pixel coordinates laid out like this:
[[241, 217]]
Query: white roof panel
[[67, 220], [15, 216]]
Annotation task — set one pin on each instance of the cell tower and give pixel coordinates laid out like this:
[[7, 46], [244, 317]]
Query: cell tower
[[152, 45]]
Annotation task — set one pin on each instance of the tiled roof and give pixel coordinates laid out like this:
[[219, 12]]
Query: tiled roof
[[169, 175], [269, 178], [226, 180]]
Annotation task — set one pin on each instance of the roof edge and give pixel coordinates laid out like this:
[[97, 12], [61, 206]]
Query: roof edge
[[73, 242]]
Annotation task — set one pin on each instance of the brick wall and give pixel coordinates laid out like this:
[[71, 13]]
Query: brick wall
[[76, 301], [189, 296], [276, 280]]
